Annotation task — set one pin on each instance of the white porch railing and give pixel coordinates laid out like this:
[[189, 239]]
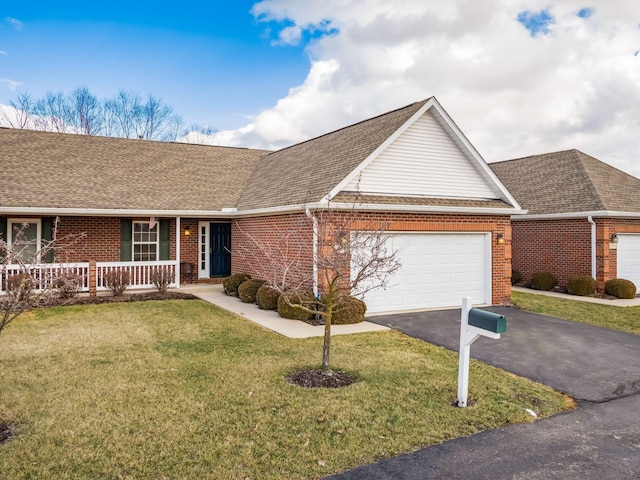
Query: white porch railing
[[46, 273], [139, 273]]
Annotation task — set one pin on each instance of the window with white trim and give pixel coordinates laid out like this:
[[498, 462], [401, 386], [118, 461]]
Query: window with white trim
[[25, 237], [145, 242]]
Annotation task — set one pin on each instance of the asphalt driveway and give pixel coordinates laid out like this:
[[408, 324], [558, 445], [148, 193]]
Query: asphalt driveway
[[599, 367], [589, 363]]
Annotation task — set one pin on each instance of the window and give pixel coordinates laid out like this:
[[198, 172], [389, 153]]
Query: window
[[25, 238], [145, 242]]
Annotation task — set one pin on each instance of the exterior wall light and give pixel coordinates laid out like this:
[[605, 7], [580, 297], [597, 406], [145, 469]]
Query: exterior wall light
[[187, 231], [500, 239], [614, 238]]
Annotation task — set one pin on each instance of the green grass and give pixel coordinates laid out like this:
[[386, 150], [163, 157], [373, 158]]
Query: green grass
[[182, 389], [624, 319]]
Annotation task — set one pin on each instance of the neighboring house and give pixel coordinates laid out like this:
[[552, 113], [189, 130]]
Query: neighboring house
[[412, 168], [583, 217]]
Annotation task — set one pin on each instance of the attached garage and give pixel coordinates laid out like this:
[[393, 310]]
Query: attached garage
[[438, 269], [629, 257]]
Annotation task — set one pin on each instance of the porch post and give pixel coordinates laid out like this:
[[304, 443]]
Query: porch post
[[178, 251]]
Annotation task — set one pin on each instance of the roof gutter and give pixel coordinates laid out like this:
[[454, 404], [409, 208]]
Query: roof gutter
[[233, 213], [559, 216]]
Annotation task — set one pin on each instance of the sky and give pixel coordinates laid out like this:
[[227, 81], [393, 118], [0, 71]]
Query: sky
[[519, 77]]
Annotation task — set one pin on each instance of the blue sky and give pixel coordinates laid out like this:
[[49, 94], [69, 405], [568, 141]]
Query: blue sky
[[520, 77], [210, 60]]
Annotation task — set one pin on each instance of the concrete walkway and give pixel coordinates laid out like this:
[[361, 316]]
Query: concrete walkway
[[618, 302], [270, 319]]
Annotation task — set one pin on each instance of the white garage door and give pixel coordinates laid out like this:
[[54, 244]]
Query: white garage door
[[438, 269], [629, 258]]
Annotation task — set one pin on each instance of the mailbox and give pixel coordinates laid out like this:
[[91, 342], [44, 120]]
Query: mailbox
[[488, 320]]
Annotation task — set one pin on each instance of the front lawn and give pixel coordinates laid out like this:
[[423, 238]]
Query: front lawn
[[183, 389], [624, 319]]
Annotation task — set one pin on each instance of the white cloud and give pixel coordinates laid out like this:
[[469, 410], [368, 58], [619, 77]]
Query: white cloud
[[3, 52], [15, 23], [12, 84], [574, 85]]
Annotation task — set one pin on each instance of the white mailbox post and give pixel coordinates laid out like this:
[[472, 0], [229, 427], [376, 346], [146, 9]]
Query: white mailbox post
[[473, 324]]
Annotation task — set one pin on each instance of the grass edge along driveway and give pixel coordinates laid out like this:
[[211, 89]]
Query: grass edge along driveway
[[623, 319], [183, 389]]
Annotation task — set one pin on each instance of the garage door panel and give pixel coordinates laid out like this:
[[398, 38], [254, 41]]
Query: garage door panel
[[629, 258], [437, 270]]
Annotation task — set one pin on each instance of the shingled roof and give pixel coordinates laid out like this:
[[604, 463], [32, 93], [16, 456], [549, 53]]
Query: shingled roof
[[308, 171], [567, 182], [43, 169]]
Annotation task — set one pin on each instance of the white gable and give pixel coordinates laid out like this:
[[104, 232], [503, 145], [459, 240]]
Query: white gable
[[425, 160]]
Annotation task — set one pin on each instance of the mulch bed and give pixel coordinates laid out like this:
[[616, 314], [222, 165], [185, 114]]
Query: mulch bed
[[321, 379], [127, 297], [6, 432]]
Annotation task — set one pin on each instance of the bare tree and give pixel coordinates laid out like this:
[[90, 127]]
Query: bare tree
[[351, 256], [197, 133], [25, 286], [126, 115], [21, 113]]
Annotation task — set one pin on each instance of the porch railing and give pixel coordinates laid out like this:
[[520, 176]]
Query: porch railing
[[140, 273], [45, 274]]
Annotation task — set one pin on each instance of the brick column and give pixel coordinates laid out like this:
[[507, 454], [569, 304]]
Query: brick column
[[92, 278]]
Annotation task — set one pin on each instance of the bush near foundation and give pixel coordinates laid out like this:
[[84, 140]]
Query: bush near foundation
[[288, 300], [232, 282], [348, 310], [267, 297], [516, 276], [582, 285], [543, 281], [621, 288], [248, 289]]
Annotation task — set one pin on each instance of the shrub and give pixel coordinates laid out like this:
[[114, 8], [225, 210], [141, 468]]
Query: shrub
[[248, 289], [117, 281], [232, 282], [67, 285], [516, 276], [162, 277], [543, 281], [621, 288], [348, 310], [20, 286], [287, 300], [267, 297], [581, 285]]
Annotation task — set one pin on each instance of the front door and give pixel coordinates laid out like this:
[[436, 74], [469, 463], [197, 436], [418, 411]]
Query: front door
[[220, 249]]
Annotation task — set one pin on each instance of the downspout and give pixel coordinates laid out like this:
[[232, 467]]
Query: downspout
[[593, 247], [177, 251], [315, 251]]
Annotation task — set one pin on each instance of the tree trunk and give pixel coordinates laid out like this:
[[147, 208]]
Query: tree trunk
[[326, 347]]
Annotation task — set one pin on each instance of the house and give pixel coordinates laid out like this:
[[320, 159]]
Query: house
[[583, 217], [144, 204]]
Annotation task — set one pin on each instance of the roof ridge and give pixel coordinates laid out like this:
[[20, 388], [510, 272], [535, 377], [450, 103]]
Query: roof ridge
[[536, 155], [352, 125], [593, 190], [126, 139]]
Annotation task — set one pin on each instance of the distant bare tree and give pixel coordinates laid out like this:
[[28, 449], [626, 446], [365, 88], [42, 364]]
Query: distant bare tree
[[21, 115], [126, 115], [200, 134]]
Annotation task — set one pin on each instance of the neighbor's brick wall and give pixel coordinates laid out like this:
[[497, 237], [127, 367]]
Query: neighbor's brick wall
[[563, 247], [268, 230]]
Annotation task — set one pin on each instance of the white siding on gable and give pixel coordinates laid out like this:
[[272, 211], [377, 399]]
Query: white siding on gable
[[424, 160]]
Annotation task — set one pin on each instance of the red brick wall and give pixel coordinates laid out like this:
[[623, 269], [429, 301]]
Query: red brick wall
[[563, 247], [269, 229]]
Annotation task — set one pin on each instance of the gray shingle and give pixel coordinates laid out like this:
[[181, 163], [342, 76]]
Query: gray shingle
[[568, 181], [43, 169]]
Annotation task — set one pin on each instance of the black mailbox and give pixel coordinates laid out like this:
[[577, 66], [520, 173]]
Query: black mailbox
[[490, 321]]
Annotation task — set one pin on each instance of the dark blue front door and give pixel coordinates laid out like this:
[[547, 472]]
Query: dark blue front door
[[220, 254]]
